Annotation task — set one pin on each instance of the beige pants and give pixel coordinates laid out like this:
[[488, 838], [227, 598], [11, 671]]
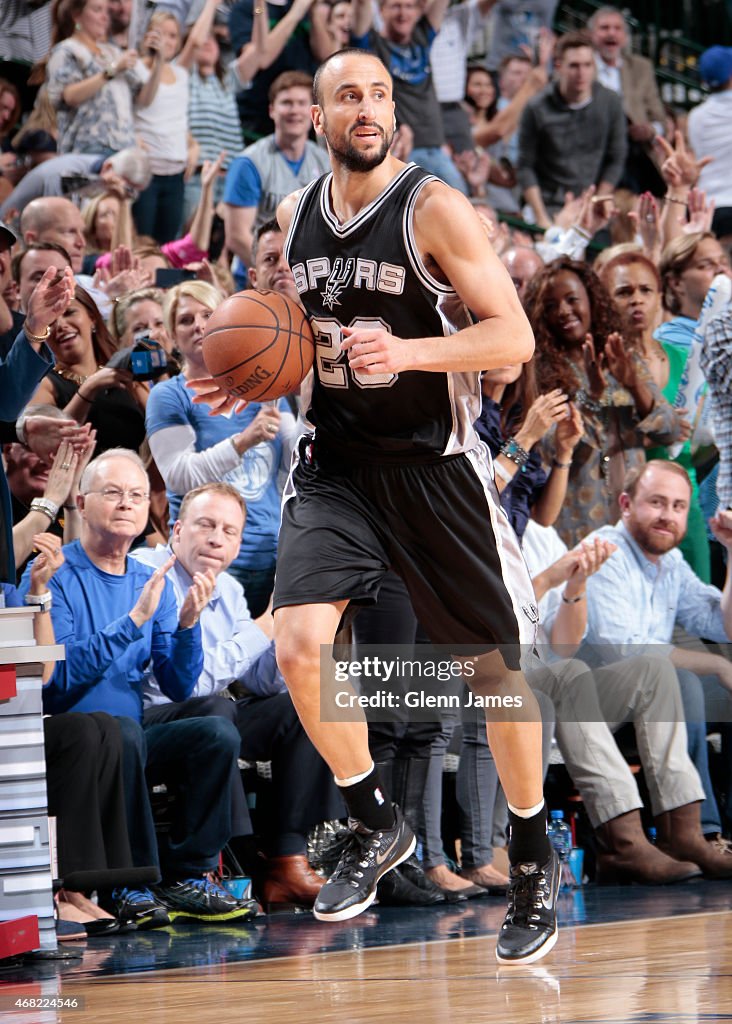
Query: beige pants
[[592, 704]]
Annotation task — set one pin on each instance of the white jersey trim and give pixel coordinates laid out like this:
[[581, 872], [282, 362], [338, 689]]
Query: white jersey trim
[[514, 571], [344, 230], [296, 218], [424, 276]]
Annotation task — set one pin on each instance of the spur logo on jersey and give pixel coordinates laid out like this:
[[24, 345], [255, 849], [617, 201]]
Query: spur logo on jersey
[[338, 279], [353, 272]]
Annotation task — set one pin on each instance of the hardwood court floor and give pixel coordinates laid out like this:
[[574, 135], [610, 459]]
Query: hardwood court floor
[[674, 966]]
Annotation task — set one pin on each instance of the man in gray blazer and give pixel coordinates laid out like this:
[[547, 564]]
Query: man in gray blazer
[[633, 78]]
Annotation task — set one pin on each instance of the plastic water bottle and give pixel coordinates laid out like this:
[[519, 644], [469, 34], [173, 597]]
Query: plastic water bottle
[[652, 836], [560, 836]]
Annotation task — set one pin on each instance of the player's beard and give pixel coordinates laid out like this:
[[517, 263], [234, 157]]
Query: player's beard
[[351, 158]]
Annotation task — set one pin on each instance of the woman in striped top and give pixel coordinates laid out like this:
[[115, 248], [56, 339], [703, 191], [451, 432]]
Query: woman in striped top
[[213, 117]]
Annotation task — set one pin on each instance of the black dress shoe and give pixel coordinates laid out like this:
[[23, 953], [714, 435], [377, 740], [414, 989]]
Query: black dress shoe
[[103, 926], [395, 890], [414, 873]]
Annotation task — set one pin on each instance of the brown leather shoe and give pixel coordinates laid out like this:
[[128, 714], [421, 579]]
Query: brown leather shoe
[[625, 855], [679, 834], [290, 882]]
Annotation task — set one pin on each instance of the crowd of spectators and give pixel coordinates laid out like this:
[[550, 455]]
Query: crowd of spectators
[[137, 191]]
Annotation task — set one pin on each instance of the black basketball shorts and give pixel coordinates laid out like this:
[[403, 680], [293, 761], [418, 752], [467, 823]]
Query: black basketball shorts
[[438, 525]]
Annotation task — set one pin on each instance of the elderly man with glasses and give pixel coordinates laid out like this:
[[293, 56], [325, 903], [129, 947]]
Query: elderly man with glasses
[[115, 615]]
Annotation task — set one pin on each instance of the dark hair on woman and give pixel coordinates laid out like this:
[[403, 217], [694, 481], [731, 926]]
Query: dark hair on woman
[[554, 367], [489, 112], [64, 14], [9, 87], [631, 259], [102, 342], [518, 398]]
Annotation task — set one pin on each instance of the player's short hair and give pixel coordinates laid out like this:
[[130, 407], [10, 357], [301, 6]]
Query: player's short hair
[[347, 51], [634, 476], [572, 41], [289, 80], [216, 487]]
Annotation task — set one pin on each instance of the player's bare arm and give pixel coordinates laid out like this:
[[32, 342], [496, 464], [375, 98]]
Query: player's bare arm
[[286, 210], [454, 248]]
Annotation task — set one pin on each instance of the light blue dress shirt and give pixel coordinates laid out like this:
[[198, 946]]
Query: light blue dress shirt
[[234, 647], [633, 602]]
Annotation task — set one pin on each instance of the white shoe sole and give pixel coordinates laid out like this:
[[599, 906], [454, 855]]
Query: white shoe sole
[[358, 908], [533, 957]]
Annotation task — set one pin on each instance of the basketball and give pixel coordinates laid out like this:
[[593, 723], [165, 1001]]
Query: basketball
[[258, 345]]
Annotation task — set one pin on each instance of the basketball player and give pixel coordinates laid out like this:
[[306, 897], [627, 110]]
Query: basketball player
[[388, 260]]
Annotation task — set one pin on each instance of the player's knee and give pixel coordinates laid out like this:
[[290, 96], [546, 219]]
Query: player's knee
[[298, 658]]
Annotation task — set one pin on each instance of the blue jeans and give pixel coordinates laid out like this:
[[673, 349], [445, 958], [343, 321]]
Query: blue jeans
[[692, 696], [195, 758], [159, 210], [437, 162], [258, 586], [479, 794]]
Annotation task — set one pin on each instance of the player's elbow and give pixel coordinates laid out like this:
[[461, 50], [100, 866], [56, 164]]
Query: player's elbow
[[524, 342]]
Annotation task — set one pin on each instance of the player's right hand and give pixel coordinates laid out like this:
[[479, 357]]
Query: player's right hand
[[208, 392]]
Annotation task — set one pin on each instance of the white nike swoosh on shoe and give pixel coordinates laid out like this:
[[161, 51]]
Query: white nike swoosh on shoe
[[381, 857]]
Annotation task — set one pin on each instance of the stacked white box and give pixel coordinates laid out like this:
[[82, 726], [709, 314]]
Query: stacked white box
[[25, 872]]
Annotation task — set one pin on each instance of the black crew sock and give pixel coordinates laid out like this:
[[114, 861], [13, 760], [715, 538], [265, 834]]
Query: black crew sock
[[369, 802], [528, 842]]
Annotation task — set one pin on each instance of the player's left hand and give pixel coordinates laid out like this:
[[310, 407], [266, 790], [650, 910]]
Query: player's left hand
[[374, 350]]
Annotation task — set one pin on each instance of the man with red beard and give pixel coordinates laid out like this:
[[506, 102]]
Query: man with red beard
[[634, 602]]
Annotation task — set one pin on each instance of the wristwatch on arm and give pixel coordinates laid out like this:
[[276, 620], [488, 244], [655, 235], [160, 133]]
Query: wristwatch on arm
[[40, 601]]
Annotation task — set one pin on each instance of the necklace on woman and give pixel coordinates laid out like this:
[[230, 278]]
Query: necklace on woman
[[652, 350], [88, 42], [75, 378]]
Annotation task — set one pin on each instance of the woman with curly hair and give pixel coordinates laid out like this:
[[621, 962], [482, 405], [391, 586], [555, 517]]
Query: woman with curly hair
[[580, 350]]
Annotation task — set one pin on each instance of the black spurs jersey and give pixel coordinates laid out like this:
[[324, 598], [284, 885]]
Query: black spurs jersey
[[368, 273]]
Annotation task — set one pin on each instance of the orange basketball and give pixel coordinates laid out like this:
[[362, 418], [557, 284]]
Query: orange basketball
[[258, 345]]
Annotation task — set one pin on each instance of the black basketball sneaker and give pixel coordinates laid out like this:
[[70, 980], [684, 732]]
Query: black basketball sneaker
[[529, 930], [366, 858]]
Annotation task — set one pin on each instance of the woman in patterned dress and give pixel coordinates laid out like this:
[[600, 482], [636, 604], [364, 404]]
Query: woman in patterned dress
[[580, 350]]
